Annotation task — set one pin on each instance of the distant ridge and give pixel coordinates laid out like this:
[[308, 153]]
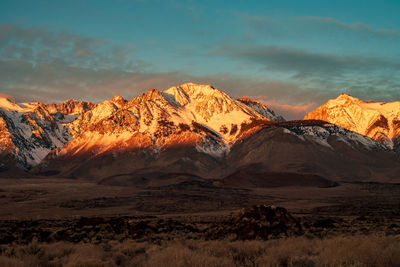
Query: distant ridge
[[378, 120]]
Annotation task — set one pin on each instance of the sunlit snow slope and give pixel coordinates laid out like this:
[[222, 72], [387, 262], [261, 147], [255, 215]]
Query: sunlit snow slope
[[378, 120]]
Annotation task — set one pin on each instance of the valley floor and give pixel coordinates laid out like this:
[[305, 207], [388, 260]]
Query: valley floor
[[56, 198], [64, 222]]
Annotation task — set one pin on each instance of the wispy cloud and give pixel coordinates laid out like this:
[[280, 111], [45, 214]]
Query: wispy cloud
[[290, 111], [41, 45], [57, 82], [312, 25], [55, 65], [325, 73], [301, 62], [354, 27]]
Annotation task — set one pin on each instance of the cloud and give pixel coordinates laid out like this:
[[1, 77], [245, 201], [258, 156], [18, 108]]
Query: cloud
[[353, 27], [316, 77], [58, 82], [301, 62], [41, 45], [264, 88], [311, 26], [325, 74], [38, 63], [290, 112]]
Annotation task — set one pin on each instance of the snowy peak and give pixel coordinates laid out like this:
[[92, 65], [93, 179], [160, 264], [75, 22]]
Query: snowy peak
[[151, 95], [261, 108], [118, 100], [197, 90], [344, 100], [347, 97], [72, 106], [377, 120], [8, 104], [208, 103], [177, 95], [191, 92], [84, 121]]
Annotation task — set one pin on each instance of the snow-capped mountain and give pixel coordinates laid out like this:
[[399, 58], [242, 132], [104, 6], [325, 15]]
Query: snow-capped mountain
[[190, 113], [207, 113], [378, 120], [29, 131], [184, 132], [199, 117]]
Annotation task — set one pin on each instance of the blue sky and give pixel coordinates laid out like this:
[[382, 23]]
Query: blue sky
[[293, 55]]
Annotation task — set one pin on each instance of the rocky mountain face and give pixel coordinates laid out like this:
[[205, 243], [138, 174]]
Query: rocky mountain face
[[378, 120], [189, 132], [29, 131], [305, 153], [261, 108]]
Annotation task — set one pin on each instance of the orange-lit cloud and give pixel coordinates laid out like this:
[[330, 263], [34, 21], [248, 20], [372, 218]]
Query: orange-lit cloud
[[289, 112]]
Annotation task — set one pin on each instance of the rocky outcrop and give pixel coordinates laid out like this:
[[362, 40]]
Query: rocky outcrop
[[264, 222]]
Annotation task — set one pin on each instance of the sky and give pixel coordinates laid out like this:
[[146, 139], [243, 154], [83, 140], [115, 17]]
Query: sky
[[291, 55]]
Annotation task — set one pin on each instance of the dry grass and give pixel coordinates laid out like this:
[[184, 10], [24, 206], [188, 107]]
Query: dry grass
[[370, 250]]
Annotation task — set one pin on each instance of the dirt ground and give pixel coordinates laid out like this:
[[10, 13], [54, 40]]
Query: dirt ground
[[55, 198]]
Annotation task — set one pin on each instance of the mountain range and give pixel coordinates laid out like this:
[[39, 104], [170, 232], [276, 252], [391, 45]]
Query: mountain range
[[197, 133]]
